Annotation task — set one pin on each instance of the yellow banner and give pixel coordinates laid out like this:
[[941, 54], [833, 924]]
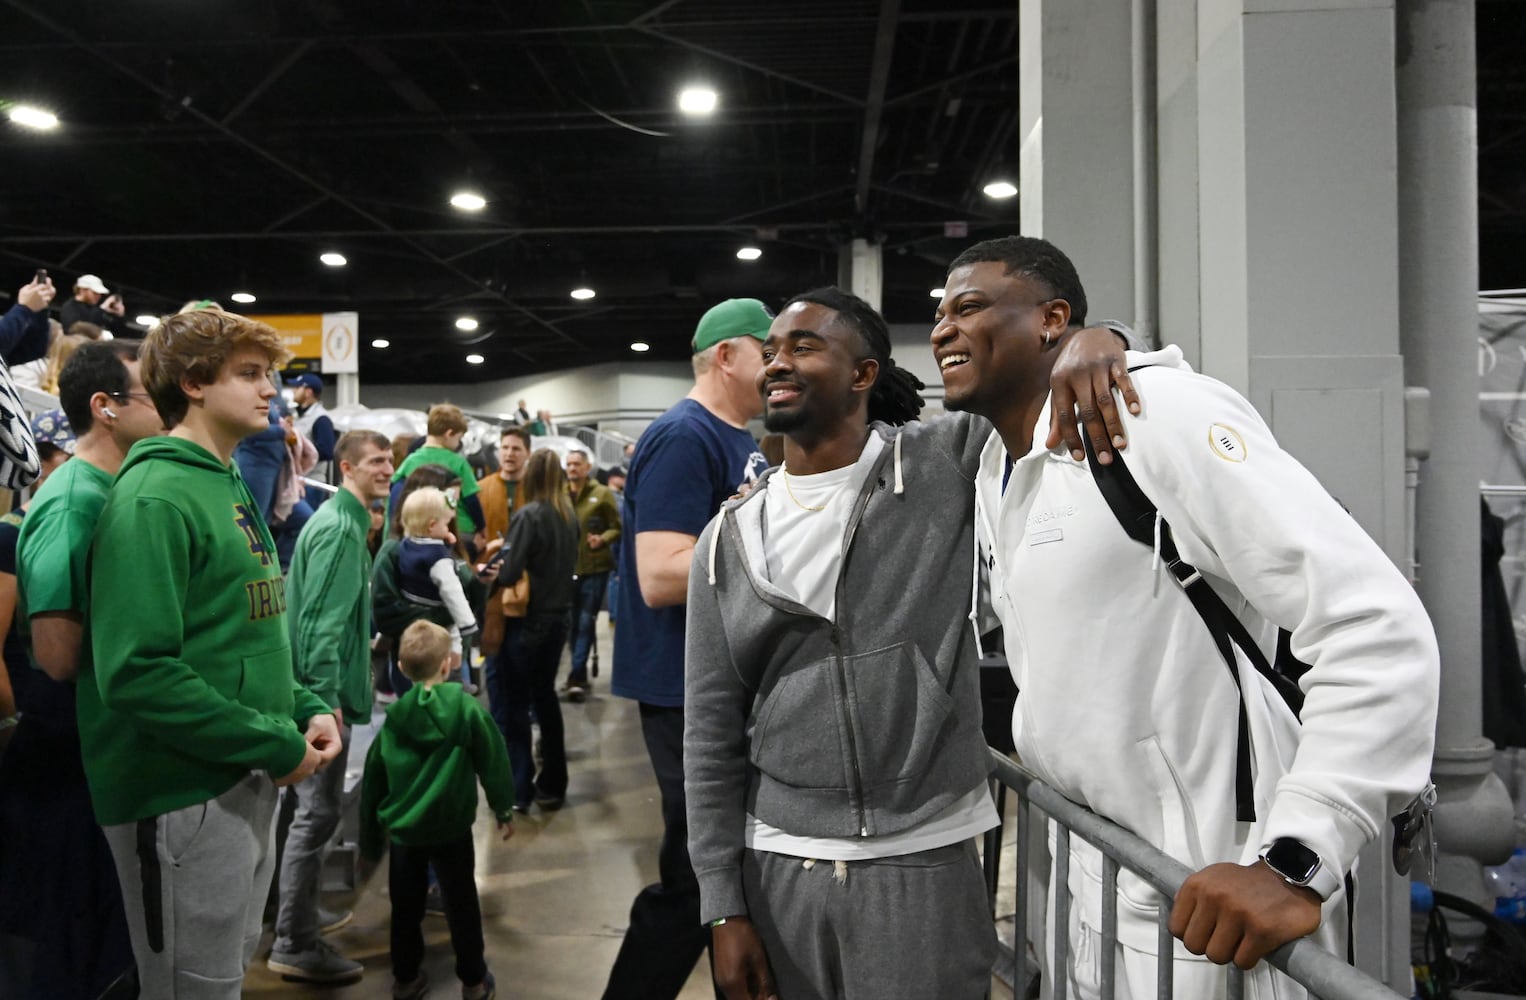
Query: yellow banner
[[301, 333]]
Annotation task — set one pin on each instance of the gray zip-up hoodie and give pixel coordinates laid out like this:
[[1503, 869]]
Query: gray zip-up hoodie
[[858, 727]]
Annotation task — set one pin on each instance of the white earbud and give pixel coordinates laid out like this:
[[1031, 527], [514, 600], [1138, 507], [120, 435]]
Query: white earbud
[[107, 410]]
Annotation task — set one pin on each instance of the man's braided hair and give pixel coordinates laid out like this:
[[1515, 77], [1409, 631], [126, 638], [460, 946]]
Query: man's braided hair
[[895, 398]]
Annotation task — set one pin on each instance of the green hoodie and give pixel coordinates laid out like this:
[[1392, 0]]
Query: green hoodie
[[421, 774], [191, 684]]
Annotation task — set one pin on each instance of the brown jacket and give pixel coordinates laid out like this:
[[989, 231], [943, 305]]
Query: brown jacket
[[493, 494]]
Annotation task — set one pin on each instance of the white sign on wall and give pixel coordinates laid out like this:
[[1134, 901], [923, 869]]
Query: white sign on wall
[[341, 342]]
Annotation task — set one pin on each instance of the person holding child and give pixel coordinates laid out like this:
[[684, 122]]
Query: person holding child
[[427, 571], [420, 791]]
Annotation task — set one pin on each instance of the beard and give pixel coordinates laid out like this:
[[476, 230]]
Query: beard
[[784, 421]]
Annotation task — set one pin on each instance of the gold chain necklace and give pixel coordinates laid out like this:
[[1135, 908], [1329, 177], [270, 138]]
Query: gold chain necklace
[[804, 507]]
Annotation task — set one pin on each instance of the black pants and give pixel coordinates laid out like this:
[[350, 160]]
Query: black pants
[[453, 865], [527, 663], [665, 938]]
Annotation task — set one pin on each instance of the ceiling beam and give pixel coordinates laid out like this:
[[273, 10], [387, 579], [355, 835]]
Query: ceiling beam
[[745, 64], [276, 72], [874, 103]]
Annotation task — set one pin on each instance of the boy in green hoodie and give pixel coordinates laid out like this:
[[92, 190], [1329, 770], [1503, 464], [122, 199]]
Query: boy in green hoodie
[[189, 713], [420, 787]]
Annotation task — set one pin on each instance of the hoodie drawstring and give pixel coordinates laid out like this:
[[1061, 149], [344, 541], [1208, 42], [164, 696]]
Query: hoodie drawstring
[[980, 652], [900, 486], [839, 870], [715, 540]]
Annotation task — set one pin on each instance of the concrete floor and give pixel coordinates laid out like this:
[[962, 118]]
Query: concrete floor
[[556, 897]]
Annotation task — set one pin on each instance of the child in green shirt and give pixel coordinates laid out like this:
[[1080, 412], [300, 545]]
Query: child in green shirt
[[420, 789]]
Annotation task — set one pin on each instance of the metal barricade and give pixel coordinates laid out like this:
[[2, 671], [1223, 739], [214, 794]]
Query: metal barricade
[[1321, 973]]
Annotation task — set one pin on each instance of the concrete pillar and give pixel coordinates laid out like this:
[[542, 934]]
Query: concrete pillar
[[1074, 110], [349, 389], [1438, 271], [861, 270]]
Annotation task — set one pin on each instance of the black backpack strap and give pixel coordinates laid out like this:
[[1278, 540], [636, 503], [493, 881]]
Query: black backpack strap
[[1138, 516]]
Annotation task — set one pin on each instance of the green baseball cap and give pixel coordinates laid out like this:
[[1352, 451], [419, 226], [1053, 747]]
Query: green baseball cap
[[732, 318]]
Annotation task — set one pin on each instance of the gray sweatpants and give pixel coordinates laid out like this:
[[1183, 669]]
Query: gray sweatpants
[[913, 926], [194, 883]]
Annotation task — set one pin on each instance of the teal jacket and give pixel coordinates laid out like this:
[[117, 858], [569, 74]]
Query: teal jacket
[[420, 782], [190, 686], [328, 592]]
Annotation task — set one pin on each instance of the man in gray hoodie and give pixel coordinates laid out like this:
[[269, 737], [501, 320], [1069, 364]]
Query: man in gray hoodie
[[835, 769]]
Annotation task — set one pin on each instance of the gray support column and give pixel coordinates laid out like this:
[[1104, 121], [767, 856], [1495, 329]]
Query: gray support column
[[349, 389], [1438, 270], [1075, 100], [861, 270]]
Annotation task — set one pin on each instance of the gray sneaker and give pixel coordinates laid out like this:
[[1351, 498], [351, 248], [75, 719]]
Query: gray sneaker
[[330, 921], [318, 964]]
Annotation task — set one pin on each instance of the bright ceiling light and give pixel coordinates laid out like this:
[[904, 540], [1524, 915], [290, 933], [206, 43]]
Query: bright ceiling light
[[936, 293], [697, 100], [582, 293], [466, 323], [475, 359], [30, 117], [242, 297], [641, 347], [381, 343], [749, 253], [146, 320], [334, 259], [1000, 189], [468, 201]]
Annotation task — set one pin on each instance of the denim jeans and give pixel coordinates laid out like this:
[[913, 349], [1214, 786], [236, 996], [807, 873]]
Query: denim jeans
[[590, 596], [319, 799], [526, 669]]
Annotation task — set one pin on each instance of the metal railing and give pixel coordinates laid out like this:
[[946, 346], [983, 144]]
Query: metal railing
[[1321, 973]]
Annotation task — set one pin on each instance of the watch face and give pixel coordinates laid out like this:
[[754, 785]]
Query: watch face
[[1292, 860]]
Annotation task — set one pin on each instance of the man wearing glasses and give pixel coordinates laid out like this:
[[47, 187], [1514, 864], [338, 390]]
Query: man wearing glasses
[[104, 401]]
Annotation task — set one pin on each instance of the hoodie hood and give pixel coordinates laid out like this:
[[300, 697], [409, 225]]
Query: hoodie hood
[[174, 449], [428, 717]]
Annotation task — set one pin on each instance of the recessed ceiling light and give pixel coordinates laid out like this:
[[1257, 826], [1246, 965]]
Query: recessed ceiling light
[[243, 297], [582, 293], [146, 320], [25, 114], [697, 100], [466, 323], [468, 201], [641, 347], [475, 359], [749, 253], [333, 259], [936, 293], [1000, 189], [381, 343]]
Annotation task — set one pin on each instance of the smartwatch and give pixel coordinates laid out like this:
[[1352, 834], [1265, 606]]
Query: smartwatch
[[1299, 865]]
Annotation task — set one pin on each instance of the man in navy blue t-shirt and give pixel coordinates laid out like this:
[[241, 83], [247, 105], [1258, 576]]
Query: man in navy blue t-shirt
[[686, 463]]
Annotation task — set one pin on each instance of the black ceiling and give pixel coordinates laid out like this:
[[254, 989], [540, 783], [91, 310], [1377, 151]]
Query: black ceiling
[[211, 146]]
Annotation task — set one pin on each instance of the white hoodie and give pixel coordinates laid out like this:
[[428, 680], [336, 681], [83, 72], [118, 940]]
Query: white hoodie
[[1130, 710]]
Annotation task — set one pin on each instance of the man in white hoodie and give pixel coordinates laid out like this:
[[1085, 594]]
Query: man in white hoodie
[[1133, 712]]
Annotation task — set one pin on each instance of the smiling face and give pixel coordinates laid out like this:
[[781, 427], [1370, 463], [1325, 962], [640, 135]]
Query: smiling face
[[989, 337], [371, 474], [814, 373]]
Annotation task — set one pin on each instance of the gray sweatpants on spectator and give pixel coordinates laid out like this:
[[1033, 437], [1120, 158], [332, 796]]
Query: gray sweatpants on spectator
[[194, 884], [914, 925]]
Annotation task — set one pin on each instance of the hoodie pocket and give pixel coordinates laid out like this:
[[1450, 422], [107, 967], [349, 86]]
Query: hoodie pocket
[[265, 681], [797, 736], [900, 713]]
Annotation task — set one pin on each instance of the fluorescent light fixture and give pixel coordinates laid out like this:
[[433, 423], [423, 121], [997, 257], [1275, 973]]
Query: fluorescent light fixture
[[381, 343], [936, 293], [146, 320], [333, 259], [242, 297], [30, 117], [697, 100], [1000, 189], [582, 294], [468, 201], [466, 323], [749, 253], [641, 347], [475, 359]]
